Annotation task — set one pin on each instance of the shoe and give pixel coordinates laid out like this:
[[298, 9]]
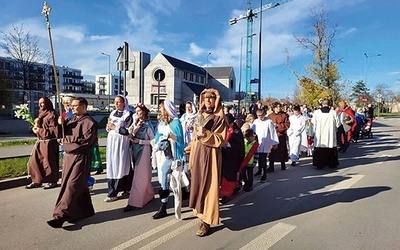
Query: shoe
[[129, 208], [162, 212], [56, 223], [263, 179], [294, 163], [110, 199], [33, 185], [283, 167], [99, 171], [270, 170], [50, 186], [203, 229], [125, 194], [224, 200]]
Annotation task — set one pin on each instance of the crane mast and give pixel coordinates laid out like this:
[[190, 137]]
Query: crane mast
[[250, 15]]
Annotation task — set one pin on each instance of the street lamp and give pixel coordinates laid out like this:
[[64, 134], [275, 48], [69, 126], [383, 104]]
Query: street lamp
[[240, 70], [259, 53], [109, 78], [209, 53], [366, 64]]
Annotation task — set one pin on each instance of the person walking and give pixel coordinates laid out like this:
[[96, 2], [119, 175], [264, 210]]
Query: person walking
[[323, 128], [205, 160], [267, 138], [119, 171], [74, 201], [281, 123], [141, 134], [295, 133], [232, 157], [168, 145], [44, 161]]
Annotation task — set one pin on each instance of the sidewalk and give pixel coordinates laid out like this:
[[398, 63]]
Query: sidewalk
[[18, 151]]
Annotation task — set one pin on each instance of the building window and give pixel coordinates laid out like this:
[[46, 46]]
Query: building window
[[191, 77], [231, 84], [185, 75]]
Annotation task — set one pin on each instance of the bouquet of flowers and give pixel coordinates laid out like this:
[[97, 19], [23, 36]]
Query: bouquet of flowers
[[22, 112]]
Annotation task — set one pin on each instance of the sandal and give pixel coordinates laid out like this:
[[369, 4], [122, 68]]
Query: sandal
[[50, 185], [33, 185]]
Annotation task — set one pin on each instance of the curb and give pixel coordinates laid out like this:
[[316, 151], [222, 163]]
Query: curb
[[22, 181]]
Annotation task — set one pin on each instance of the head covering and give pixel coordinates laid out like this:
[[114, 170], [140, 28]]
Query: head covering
[[194, 108], [218, 103], [170, 108], [126, 104], [142, 107]]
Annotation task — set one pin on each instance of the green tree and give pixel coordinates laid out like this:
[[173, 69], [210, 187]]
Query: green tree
[[323, 78], [359, 92]]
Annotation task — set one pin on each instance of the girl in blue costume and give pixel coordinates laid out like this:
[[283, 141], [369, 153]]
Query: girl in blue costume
[[168, 147]]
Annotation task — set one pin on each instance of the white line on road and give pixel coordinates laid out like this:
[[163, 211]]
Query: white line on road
[[177, 231], [270, 237], [153, 231], [384, 158], [343, 185], [171, 235]]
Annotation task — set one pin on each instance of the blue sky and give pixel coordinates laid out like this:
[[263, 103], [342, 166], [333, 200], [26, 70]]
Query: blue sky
[[189, 30]]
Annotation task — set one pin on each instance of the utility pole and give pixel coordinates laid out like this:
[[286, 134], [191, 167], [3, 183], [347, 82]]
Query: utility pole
[[209, 53], [109, 79]]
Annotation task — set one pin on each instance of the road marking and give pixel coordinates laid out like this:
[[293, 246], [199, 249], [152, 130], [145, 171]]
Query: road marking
[[170, 235], [384, 158], [153, 231], [269, 237], [343, 185], [179, 230]]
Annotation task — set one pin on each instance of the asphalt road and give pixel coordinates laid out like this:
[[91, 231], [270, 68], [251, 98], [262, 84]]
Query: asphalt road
[[353, 207]]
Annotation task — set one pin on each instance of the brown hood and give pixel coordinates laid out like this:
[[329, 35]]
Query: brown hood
[[218, 103]]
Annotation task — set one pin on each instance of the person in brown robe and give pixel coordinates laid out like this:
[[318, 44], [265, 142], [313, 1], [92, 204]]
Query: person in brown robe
[[205, 160], [74, 201], [281, 122], [44, 161]]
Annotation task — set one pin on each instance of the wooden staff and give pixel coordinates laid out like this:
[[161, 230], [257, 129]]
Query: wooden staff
[[46, 11]]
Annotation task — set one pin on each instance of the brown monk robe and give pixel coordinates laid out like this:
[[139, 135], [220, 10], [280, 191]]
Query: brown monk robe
[[205, 161], [74, 201], [44, 161]]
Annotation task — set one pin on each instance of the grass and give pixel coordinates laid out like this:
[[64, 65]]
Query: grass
[[32, 142], [17, 143], [11, 168]]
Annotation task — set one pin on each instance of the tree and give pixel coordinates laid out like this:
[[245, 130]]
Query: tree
[[24, 48], [387, 96], [323, 72], [360, 92]]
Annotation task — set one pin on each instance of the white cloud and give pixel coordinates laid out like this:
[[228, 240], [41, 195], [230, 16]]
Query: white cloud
[[195, 49]]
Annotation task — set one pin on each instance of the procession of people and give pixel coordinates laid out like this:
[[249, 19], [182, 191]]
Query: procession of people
[[202, 154]]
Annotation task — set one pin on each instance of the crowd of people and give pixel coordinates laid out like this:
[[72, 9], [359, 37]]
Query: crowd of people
[[205, 154]]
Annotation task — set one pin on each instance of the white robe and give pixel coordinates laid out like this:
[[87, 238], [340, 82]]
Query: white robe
[[323, 127], [295, 131], [118, 156], [266, 133]]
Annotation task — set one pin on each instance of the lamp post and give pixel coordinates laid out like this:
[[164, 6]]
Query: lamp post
[[259, 54], [209, 53], [366, 64], [109, 78], [240, 70]]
